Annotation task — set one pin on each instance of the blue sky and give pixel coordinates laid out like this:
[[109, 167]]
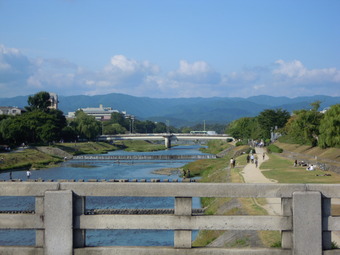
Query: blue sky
[[177, 48]]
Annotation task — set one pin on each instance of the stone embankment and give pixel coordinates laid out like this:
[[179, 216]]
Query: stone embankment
[[55, 152]]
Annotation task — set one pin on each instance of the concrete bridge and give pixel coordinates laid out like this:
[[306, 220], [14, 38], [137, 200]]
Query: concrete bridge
[[164, 136], [61, 221]]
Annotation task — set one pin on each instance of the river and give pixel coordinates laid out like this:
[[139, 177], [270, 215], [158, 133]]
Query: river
[[74, 169]]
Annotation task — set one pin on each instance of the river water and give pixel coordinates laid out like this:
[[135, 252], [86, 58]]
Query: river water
[[74, 169]]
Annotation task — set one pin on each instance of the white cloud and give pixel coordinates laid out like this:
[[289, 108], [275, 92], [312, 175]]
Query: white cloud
[[14, 66], [20, 75], [197, 72], [298, 73]]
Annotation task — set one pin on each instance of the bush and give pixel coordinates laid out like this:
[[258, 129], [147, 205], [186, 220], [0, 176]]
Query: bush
[[250, 150], [243, 142], [274, 148], [239, 143]]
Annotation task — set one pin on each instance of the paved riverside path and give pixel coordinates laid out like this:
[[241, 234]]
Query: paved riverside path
[[253, 174]]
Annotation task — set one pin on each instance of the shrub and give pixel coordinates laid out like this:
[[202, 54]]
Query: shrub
[[239, 143], [274, 148], [250, 150]]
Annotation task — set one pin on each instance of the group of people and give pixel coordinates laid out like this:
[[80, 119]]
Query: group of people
[[251, 158], [28, 174], [310, 167], [186, 173], [254, 158]]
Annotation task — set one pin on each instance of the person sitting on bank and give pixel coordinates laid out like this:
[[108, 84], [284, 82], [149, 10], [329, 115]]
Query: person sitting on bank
[[310, 168]]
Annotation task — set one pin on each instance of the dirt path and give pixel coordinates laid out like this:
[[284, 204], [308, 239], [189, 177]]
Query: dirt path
[[253, 174]]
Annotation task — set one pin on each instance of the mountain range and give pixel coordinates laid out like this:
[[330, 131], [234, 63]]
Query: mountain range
[[183, 111]]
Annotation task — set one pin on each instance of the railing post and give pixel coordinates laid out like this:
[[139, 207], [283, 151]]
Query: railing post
[[39, 210], [183, 207], [307, 223], [286, 235], [79, 235], [58, 222], [326, 212]]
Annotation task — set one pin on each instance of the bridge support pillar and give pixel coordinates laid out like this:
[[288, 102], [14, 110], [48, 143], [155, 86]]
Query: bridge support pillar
[[167, 142]]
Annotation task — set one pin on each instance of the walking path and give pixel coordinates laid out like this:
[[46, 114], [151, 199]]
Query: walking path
[[253, 174]]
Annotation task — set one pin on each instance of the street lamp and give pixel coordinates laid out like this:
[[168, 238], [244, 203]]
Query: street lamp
[[131, 118]]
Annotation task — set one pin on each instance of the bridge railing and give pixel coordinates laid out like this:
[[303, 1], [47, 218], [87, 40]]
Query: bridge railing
[[61, 223]]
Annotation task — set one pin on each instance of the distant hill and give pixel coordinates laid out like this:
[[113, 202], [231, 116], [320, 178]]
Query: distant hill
[[183, 111]]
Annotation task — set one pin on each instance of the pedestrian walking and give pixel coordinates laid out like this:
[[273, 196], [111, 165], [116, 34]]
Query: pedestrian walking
[[10, 175], [256, 162], [252, 158], [28, 174], [231, 162], [248, 159], [264, 155]]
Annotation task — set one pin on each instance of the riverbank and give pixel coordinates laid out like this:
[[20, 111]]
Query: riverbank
[[37, 157], [168, 171], [276, 167]]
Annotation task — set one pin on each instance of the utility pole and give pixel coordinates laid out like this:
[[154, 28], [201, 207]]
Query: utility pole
[[167, 127]]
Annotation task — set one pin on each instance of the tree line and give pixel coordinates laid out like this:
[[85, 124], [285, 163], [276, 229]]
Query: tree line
[[306, 126], [40, 124]]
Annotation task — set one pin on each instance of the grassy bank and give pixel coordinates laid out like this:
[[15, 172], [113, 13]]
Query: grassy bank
[[139, 145], [282, 170], [215, 146], [27, 159], [86, 147], [217, 170], [32, 158], [304, 151], [277, 167]]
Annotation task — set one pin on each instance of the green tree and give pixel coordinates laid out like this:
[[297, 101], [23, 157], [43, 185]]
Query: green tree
[[120, 119], [87, 126], [39, 101], [69, 134], [269, 119], [113, 129], [303, 127], [14, 130], [241, 128], [330, 128]]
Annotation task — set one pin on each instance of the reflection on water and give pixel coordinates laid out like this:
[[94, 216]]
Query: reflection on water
[[105, 170]]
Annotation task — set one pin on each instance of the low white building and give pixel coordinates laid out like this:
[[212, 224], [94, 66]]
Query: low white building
[[101, 113], [11, 110]]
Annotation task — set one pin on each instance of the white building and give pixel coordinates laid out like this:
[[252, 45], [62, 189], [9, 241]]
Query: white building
[[54, 101], [101, 113], [10, 110]]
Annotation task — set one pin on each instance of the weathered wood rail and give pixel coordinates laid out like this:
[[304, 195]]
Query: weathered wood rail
[[61, 223], [144, 157]]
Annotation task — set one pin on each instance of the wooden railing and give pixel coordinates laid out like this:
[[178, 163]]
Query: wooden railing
[[61, 223]]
